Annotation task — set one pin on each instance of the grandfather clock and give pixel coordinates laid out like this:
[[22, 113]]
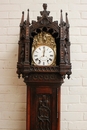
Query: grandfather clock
[[43, 62]]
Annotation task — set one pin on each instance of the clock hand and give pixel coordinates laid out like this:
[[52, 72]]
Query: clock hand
[[43, 51]]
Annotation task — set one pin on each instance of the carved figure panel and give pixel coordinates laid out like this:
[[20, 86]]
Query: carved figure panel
[[44, 112]]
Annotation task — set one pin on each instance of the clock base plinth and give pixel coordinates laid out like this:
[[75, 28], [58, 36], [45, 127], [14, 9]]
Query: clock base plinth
[[43, 108]]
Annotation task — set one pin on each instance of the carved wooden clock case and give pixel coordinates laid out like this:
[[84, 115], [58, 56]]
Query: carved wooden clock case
[[43, 62]]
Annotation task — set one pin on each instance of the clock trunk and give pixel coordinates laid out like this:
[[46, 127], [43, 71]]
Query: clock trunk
[[43, 108]]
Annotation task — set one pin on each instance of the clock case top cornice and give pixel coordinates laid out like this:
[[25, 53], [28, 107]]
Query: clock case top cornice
[[61, 34]]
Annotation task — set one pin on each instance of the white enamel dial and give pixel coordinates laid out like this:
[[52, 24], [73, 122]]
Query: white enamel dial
[[43, 56]]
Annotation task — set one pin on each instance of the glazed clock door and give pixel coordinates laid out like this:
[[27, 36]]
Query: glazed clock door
[[43, 108]]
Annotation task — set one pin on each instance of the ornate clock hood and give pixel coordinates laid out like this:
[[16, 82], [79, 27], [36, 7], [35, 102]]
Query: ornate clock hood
[[60, 32]]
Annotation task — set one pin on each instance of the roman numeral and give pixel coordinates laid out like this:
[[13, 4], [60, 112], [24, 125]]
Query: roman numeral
[[36, 51], [50, 59], [51, 55], [39, 62], [36, 59], [35, 55]]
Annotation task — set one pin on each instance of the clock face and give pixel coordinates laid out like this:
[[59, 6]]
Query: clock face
[[43, 56]]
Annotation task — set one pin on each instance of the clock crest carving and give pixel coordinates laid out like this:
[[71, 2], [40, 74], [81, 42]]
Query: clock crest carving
[[43, 62]]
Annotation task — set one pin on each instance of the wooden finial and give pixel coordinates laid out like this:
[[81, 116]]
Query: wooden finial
[[61, 18], [28, 22], [22, 19], [44, 6], [67, 22]]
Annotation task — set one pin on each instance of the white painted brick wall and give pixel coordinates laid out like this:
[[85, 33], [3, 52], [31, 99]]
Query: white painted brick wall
[[13, 90]]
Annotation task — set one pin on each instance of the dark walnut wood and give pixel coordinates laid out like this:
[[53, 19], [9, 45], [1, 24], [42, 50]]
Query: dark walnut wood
[[43, 82]]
